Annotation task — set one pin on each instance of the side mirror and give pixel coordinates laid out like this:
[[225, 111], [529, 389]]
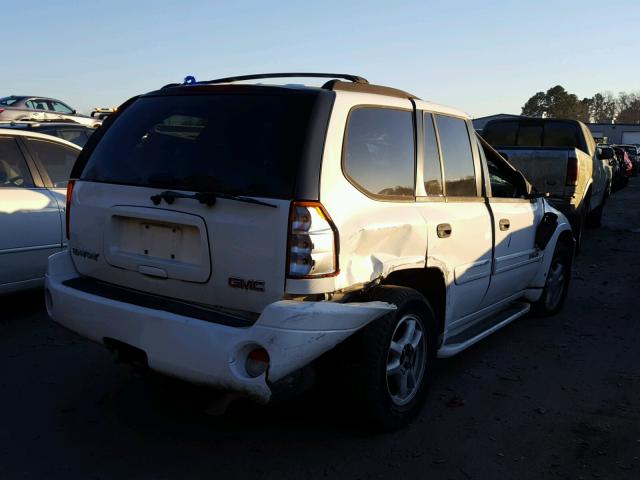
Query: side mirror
[[606, 154], [73, 112]]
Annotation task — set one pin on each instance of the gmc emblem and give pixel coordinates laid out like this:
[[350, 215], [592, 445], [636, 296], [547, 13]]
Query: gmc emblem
[[255, 285]]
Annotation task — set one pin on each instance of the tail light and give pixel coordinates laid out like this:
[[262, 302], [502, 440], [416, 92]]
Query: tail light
[[313, 244], [1, 110], [70, 186], [572, 171]]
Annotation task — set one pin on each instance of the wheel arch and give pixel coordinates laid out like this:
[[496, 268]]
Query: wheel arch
[[428, 281], [563, 234]]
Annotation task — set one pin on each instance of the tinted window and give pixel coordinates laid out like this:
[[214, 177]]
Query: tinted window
[[432, 170], [379, 153], [547, 133], [8, 101], [501, 133], [236, 143], [561, 134], [459, 171], [79, 137], [13, 168], [57, 160], [530, 136], [630, 150]]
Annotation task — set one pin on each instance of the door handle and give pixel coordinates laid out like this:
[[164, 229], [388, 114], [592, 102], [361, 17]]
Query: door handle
[[444, 230], [504, 224]]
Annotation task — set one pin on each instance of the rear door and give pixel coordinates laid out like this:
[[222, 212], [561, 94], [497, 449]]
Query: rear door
[[30, 225], [54, 161], [136, 220], [458, 221]]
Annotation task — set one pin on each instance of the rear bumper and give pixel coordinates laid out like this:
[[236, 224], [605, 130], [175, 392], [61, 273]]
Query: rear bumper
[[293, 333]]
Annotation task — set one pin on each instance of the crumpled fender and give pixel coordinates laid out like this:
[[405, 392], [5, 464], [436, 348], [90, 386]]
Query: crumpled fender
[[563, 226], [296, 333]]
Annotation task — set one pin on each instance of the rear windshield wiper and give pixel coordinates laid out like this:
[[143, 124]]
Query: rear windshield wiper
[[208, 198]]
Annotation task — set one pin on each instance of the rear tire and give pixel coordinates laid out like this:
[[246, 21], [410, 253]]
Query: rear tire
[[594, 218], [580, 222], [557, 283], [388, 364]]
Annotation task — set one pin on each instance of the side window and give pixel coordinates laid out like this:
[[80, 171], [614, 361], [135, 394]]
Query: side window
[[380, 151], [37, 104], [13, 169], [504, 184], [79, 137], [57, 160], [60, 107], [501, 183], [457, 157], [432, 170]]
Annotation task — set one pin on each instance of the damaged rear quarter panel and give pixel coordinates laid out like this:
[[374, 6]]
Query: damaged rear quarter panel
[[376, 236]]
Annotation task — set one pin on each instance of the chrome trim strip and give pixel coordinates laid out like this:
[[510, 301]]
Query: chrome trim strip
[[30, 249]]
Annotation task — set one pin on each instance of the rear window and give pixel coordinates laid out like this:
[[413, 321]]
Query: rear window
[[501, 133], [533, 134], [8, 101], [241, 144]]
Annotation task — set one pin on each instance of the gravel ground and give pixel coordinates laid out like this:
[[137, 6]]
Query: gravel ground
[[543, 398]]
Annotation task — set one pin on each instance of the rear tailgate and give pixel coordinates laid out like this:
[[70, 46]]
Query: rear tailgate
[[544, 168], [130, 225], [189, 251]]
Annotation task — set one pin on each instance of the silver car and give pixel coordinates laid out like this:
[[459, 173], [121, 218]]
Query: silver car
[[23, 107]]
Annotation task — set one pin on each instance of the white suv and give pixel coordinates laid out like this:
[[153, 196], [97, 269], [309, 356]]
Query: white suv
[[231, 234]]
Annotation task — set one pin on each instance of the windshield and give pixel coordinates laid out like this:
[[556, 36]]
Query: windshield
[[241, 144], [8, 101]]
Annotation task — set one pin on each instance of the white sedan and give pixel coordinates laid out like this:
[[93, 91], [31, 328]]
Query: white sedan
[[34, 169]]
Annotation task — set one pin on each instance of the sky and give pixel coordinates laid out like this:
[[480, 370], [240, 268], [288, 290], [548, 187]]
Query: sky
[[482, 57]]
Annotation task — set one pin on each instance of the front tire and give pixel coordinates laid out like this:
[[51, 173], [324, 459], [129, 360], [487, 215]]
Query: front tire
[[390, 362], [557, 283]]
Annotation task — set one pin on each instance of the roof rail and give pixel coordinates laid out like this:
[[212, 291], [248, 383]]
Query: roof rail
[[354, 83], [259, 76]]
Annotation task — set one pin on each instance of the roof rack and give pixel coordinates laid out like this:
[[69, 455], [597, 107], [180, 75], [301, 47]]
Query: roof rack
[[354, 83], [260, 76]]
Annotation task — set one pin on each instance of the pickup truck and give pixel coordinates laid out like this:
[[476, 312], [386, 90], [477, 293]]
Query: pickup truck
[[559, 158]]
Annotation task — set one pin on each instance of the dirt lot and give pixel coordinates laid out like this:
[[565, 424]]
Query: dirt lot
[[551, 398]]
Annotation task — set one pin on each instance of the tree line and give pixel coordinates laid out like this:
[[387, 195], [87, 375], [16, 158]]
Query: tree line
[[604, 107]]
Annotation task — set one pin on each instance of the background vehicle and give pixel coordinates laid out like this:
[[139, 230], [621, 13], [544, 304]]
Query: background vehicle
[[633, 151], [101, 113], [71, 131], [21, 107], [559, 157], [618, 168], [626, 167], [245, 251], [34, 170]]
